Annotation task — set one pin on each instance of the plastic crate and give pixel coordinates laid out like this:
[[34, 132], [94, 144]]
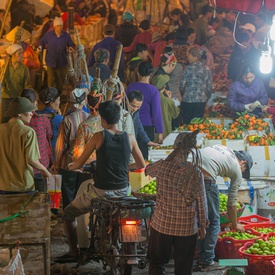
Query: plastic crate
[[253, 219], [228, 247], [257, 264], [261, 225], [234, 144]]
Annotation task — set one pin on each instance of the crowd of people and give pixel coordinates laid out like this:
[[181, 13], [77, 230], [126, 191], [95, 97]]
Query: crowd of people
[[164, 80]]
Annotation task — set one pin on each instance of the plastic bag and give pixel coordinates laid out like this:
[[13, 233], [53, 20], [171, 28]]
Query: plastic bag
[[31, 59], [15, 265]]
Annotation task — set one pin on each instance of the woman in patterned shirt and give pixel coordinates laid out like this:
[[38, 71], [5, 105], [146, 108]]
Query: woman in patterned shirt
[[180, 215]]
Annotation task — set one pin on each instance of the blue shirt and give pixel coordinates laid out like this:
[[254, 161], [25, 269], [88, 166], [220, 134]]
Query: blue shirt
[[55, 122], [56, 48], [111, 45], [139, 130]]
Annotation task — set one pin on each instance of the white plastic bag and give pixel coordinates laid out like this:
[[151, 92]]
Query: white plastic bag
[[15, 265]]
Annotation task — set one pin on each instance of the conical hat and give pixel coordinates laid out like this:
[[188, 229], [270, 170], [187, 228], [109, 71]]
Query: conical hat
[[22, 33]]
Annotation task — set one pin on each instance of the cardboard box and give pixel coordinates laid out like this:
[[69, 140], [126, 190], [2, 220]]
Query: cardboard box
[[138, 179]]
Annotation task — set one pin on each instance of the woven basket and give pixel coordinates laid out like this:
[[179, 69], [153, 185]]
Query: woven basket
[[145, 196]]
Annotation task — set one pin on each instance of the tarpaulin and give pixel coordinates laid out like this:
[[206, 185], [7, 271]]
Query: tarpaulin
[[247, 6]]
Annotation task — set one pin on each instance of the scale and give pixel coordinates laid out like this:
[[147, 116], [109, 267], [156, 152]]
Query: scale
[[234, 265]]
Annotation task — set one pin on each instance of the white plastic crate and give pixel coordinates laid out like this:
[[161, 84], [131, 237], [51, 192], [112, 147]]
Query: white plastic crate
[[263, 161], [155, 155], [234, 144], [170, 139]]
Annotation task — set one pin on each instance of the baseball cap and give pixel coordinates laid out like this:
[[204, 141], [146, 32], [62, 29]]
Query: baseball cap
[[249, 26], [242, 155], [160, 80], [109, 29]]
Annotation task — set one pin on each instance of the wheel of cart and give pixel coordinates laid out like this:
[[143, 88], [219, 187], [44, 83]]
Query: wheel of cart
[[119, 232]]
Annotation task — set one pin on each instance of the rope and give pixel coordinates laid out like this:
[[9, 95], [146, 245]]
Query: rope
[[117, 86], [21, 212]]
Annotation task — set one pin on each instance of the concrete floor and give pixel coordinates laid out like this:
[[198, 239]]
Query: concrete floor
[[60, 247]]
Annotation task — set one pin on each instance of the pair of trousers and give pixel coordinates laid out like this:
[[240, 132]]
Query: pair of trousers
[[56, 77], [40, 183], [206, 247], [192, 110], [150, 131], [159, 251], [71, 181]]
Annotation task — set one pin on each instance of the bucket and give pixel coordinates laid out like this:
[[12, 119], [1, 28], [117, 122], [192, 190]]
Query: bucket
[[54, 189], [55, 199]]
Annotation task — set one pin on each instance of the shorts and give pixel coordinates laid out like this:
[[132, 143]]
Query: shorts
[[82, 203]]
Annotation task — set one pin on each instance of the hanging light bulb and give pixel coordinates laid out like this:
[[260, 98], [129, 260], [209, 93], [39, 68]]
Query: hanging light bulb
[[272, 29], [266, 59]]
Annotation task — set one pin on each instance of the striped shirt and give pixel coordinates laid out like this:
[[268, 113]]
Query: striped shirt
[[172, 214]]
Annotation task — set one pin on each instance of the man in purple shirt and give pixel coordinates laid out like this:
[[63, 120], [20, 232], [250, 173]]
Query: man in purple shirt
[[57, 42], [110, 44], [150, 110]]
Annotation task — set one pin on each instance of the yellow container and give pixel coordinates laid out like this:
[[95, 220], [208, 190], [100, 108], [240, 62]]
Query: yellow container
[[138, 179]]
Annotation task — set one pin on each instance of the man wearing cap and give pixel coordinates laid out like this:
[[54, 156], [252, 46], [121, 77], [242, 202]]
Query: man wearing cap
[[251, 30], [58, 43], [110, 44], [19, 149], [16, 78], [220, 161], [65, 144]]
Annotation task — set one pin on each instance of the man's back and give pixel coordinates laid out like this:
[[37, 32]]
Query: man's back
[[112, 159], [111, 45], [18, 143]]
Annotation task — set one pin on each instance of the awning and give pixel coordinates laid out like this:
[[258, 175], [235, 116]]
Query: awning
[[247, 6]]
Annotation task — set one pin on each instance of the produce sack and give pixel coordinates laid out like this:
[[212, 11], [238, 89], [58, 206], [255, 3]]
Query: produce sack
[[13, 266], [31, 59]]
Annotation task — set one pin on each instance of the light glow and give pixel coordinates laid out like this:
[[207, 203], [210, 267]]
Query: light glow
[[272, 29], [265, 63], [130, 222]]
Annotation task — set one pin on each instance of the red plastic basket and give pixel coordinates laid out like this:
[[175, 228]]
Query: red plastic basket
[[260, 225], [228, 247], [253, 219], [257, 264]]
